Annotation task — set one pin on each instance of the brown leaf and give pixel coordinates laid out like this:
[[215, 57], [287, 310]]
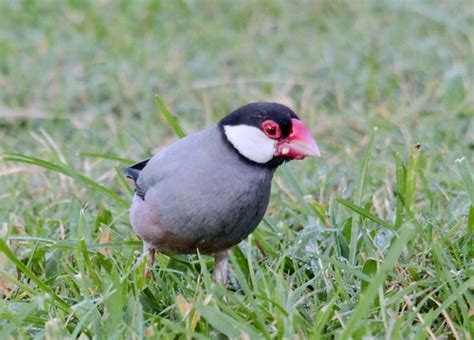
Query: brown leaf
[[105, 236], [150, 330], [184, 307], [5, 286]]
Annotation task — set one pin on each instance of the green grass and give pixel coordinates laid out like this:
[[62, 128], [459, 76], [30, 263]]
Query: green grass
[[374, 239]]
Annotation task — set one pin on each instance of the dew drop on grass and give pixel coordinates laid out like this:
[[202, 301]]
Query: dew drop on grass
[[342, 259], [314, 266]]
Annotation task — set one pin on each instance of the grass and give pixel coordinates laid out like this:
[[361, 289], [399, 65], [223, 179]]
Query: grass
[[375, 239]]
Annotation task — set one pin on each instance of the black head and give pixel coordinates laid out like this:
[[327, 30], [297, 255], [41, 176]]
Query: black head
[[266, 133], [254, 114]]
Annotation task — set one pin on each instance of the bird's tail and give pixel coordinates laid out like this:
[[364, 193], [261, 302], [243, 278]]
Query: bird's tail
[[133, 171]]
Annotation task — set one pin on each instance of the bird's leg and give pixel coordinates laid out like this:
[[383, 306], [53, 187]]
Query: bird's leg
[[150, 257], [220, 271]]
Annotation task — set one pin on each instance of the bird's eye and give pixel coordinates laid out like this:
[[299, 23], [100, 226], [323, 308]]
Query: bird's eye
[[271, 129]]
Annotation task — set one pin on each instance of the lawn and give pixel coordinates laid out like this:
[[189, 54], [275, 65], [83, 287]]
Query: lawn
[[376, 238]]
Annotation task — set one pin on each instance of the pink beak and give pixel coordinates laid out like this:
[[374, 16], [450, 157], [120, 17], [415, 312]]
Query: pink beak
[[299, 144]]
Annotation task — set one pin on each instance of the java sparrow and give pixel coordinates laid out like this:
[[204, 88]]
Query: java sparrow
[[210, 190]]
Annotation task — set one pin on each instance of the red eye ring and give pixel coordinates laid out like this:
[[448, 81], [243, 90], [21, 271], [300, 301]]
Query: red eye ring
[[271, 129]]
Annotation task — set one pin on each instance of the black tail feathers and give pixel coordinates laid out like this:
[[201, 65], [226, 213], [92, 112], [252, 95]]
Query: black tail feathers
[[133, 172]]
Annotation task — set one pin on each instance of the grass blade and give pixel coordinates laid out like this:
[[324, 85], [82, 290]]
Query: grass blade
[[88, 262], [65, 170], [466, 172], [225, 324], [401, 177], [169, 117], [470, 220], [377, 281], [72, 244], [411, 180], [466, 177], [123, 181], [364, 213], [39, 322], [106, 156], [9, 254], [18, 283], [358, 197], [311, 209], [432, 315]]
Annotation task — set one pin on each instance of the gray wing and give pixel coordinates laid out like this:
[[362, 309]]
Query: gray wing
[[190, 152]]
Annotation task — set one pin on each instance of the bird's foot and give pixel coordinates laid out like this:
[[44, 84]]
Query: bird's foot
[[150, 258], [147, 271], [222, 262]]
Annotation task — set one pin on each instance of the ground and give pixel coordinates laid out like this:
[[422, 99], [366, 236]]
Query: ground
[[374, 239]]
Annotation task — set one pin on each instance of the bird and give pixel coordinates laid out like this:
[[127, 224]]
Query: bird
[[209, 190]]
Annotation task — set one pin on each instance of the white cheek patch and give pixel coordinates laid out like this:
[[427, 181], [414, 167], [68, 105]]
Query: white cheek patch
[[251, 142]]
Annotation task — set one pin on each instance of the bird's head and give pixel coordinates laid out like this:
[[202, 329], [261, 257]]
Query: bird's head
[[268, 133]]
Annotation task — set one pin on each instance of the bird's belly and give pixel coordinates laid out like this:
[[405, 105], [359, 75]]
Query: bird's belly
[[220, 227], [148, 226], [209, 220]]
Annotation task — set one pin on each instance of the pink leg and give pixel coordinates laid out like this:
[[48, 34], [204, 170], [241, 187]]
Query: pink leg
[[150, 257], [220, 271]]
